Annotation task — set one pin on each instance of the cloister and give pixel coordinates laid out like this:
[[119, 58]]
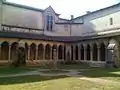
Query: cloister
[[38, 50]]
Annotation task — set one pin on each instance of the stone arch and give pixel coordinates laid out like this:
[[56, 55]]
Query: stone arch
[[82, 52], [76, 52], [14, 50], [4, 51], [40, 51], [95, 52], [102, 52], [88, 52], [54, 47], [47, 51], [32, 51]]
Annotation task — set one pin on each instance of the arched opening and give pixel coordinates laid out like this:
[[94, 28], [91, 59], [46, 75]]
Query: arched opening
[[32, 51], [72, 52], [102, 52], [54, 47], [4, 51], [60, 52], [88, 52], [82, 52], [26, 51], [64, 53], [40, 51], [76, 52], [14, 51], [95, 52], [47, 52]]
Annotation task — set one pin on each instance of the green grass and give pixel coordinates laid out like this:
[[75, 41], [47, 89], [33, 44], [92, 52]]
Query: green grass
[[12, 70], [105, 73], [52, 83]]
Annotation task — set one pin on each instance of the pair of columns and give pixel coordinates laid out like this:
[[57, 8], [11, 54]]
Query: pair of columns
[[91, 53], [36, 53]]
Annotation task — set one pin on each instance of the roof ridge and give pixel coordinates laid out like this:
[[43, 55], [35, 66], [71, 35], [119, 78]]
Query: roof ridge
[[98, 10]]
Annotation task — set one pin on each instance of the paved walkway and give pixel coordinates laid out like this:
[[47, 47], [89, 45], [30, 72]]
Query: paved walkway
[[39, 72], [73, 73]]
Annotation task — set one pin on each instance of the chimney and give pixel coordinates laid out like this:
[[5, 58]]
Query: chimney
[[72, 17], [88, 12]]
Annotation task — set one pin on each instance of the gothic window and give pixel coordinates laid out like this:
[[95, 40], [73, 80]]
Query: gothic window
[[49, 24]]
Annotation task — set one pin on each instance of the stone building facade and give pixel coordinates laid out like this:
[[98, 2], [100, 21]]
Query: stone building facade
[[92, 38]]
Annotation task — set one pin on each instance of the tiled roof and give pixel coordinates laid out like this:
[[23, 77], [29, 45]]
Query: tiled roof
[[116, 5], [24, 6], [52, 38]]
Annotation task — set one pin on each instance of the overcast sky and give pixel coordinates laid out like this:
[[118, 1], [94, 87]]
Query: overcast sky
[[68, 7]]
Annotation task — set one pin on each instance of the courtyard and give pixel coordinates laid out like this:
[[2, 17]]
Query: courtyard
[[65, 77]]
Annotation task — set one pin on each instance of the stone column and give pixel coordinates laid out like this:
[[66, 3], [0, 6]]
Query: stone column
[[98, 53], [106, 52], [28, 52], [57, 53], [9, 53], [62, 53], [85, 54], [50, 53], [36, 55], [73, 52], [0, 52], [43, 53], [91, 53]]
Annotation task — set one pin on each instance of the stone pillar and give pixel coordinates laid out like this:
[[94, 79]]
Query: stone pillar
[[0, 52], [73, 52], [91, 53], [98, 53], [85, 54], [57, 52], [9, 53], [50, 53], [36, 55], [28, 52], [43, 53], [106, 52], [62, 53]]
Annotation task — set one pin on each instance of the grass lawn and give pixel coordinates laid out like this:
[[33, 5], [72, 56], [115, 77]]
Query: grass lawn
[[105, 73], [12, 70], [52, 83]]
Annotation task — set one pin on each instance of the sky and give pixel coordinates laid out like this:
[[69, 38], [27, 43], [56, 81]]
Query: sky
[[66, 8]]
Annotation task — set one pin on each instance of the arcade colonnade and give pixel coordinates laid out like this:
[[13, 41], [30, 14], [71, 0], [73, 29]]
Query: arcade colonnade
[[36, 52]]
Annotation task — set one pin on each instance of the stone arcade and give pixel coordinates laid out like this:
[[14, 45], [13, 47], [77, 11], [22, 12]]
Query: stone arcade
[[92, 38]]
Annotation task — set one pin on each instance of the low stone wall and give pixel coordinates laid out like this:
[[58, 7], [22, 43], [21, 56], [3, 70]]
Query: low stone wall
[[4, 62]]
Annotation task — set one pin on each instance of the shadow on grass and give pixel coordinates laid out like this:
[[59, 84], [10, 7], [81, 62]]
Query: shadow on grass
[[102, 72], [13, 70], [28, 79]]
